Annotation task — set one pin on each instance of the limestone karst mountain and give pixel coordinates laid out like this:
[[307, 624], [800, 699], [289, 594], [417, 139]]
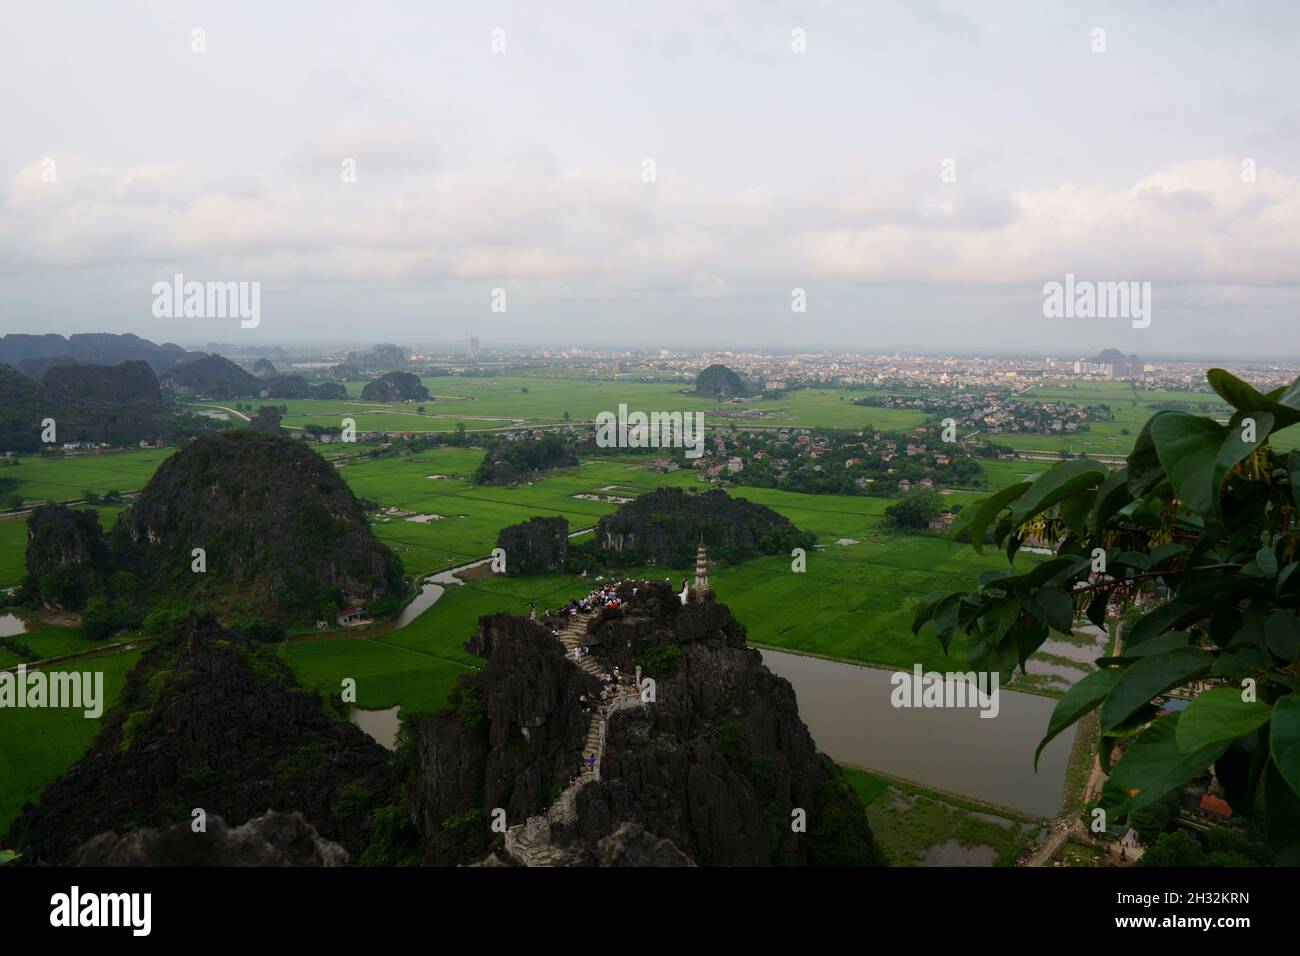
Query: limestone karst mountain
[[282, 533], [665, 526], [712, 772], [210, 720]]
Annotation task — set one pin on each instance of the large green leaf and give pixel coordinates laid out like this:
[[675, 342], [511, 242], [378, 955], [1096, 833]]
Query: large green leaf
[[1236, 449], [1219, 714], [1282, 403], [1149, 677], [983, 512], [1240, 395], [1188, 446], [1153, 766], [1078, 700], [1284, 740], [1111, 496], [1281, 818], [1283, 634], [1056, 483], [1154, 623], [925, 610]]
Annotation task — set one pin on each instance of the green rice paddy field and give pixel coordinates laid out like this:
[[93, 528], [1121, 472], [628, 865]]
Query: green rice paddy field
[[854, 601]]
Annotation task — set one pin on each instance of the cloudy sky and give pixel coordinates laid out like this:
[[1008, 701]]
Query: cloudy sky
[[921, 170]]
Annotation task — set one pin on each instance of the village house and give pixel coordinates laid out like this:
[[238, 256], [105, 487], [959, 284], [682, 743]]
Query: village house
[[351, 616]]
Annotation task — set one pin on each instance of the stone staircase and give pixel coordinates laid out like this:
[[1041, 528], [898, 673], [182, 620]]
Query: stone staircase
[[530, 843]]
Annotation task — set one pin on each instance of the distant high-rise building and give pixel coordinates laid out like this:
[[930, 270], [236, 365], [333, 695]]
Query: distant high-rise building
[[473, 347]]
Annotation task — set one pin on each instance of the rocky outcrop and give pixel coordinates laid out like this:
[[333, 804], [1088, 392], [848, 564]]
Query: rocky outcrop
[[208, 720], [211, 375], [720, 382], [274, 839], [281, 531], [395, 387], [511, 739], [264, 367], [525, 458], [536, 546], [67, 558], [665, 527], [631, 845], [712, 770]]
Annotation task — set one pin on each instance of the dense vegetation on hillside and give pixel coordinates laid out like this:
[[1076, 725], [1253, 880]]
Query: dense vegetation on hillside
[[511, 462], [395, 387], [112, 404], [666, 526], [282, 537], [214, 376], [210, 719]]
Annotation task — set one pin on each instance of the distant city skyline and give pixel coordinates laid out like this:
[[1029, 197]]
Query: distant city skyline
[[671, 176]]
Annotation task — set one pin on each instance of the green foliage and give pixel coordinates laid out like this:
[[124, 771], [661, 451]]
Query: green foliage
[[1173, 849], [267, 632], [731, 742], [661, 662], [1207, 512], [466, 701], [393, 839], [914, 510], [7, 856], [1151, 820], [838, 834], [351, 799]]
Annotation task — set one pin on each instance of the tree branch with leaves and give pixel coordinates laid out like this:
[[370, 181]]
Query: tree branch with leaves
[[1205, 511]]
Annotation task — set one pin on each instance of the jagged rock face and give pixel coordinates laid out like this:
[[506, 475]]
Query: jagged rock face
[[631, 845], [67, 557], [395, 387], [213, 375], [535, 546], [274, 839], [511, 739], [719, 381], [264, 367], [207, 720], [279, 527], [711, 770], [665, 527]]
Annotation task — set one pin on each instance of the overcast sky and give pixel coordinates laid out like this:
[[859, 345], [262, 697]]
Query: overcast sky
[[524, 170]]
